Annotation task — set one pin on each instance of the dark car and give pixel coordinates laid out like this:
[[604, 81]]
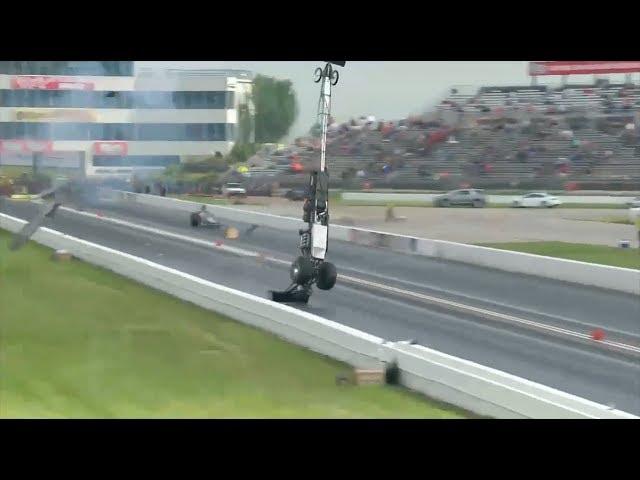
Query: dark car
[[470, 197], [203, 218], [297, 193]]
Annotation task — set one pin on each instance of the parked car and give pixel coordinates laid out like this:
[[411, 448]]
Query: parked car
[[537, 199], [297, 193], [234, 190], [470, 197]]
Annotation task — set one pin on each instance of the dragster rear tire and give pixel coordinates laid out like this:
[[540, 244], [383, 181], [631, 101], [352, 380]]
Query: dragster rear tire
[[301, 270], [195, 220], [327, 276]]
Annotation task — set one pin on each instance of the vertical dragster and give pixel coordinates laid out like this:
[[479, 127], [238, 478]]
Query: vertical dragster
[[310, 267]]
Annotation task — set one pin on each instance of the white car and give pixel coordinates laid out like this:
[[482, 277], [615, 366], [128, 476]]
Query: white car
[[635, 203], [540, 200], [234, 190]]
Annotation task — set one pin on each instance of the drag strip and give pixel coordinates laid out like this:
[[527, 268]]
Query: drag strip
[[569, 306], [616, 346], [596, 375]]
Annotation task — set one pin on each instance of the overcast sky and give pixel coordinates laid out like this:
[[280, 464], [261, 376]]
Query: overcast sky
[[387, 90]]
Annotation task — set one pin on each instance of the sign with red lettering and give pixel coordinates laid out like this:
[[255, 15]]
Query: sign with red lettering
[[110, 148], [582, 68], [36, 82], [26, 146]]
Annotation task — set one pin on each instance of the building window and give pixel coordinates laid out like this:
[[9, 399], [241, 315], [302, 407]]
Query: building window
[[114, 99], [193, 132], [111, 68], [70, 131], [230, 98], [135, 160]]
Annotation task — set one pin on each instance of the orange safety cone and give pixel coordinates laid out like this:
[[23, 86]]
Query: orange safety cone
[[598, 334]]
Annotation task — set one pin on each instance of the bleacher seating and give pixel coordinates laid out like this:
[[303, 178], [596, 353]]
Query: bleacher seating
[[478, 135]]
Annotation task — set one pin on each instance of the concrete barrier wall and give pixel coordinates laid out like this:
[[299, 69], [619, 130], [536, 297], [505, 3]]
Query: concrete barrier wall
[[602, 276], [496, 199], [474, 387], [613, 278]]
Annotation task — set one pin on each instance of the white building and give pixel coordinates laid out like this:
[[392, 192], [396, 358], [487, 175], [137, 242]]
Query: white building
[[105, 118]]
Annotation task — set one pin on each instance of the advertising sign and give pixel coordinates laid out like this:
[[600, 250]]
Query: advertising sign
[[26, 146], [110, 148], [37, 82], [582, 68]]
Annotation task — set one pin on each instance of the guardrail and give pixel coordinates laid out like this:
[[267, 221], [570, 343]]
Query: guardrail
[[602, 276], [495, 199], [474, 387]]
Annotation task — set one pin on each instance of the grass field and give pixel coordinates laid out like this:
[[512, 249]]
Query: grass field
[[81, 342], [616, 220], [200, 199], [617, 257], [224, 201], [15, 171], [372, 203]]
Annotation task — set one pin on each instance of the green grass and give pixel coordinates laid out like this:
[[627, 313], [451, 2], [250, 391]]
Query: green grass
[[600, 254], [418, 203], [384, 203], [201, 199], [81, 342], [615, 206], [616, 220], [15, 171]]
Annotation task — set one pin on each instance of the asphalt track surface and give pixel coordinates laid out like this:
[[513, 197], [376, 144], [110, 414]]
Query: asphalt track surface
[[580, 368]]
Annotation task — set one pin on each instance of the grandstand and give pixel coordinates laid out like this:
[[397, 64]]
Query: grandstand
[[500, 136]]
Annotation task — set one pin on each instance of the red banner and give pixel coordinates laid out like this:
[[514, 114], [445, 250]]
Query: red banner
[[110, 148], [582, 68], [33, 82], [26, 146]]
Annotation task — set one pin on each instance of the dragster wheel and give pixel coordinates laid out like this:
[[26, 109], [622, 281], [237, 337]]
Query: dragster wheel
[[334, 77], [301, 270], [317, 75], [195, 220], [327, 276]]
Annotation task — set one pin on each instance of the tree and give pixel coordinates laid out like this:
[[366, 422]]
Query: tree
[[316, 130], [240, 153], [245, 125], [275, 108]]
